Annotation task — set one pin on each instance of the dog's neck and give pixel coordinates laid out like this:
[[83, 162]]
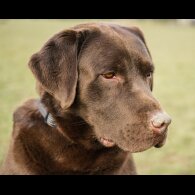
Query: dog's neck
[[77, 137], [72, 126]]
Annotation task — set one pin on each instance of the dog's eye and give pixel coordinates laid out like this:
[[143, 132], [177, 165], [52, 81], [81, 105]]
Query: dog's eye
[[109, 75], [149, 74]]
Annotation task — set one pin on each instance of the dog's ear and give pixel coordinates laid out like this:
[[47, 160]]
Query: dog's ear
[[55, 66], [138, 33], [135, 30]]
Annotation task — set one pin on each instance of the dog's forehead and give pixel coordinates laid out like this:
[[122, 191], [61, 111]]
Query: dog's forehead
[[110, 47]]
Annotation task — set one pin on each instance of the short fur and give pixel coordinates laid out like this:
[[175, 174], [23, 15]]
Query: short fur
[[85, 105]]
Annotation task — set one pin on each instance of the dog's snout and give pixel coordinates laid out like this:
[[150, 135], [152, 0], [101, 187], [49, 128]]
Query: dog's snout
[[160, 122]]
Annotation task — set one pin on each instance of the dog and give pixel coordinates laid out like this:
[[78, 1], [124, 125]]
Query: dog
[[96, 106]]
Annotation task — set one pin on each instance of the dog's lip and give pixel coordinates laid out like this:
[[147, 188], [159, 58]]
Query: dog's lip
[[161, 142], [107, 142]]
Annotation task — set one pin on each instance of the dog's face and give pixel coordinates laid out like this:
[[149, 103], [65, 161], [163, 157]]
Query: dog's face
[[105, 72]]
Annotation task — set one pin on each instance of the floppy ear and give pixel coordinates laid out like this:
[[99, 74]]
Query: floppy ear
[[139, 34], [55, 66]]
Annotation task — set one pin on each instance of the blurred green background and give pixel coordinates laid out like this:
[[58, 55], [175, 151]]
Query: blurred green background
[[172, 46]]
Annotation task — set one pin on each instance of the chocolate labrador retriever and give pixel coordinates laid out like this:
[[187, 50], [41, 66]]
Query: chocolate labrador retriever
[[95, 108]]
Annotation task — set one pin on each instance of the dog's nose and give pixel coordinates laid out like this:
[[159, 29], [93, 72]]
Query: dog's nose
[[160, 122]]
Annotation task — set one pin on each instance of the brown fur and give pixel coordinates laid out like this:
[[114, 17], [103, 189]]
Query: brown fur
[[85, 105]]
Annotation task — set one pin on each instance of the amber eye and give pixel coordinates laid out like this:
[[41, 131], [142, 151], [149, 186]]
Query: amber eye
[[109, 75]]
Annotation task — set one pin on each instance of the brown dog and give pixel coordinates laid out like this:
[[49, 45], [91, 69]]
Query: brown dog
[[95, 107]]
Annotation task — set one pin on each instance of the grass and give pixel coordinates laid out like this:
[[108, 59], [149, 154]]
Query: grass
[[172, 47]]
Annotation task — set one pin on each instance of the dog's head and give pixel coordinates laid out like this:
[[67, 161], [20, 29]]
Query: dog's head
[[105, 73]]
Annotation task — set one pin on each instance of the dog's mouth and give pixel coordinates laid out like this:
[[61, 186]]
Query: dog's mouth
[[158, 142], [110, 143], [106, 142], [161, 142]]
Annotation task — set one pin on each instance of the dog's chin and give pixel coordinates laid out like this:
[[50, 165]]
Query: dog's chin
[[134, 148], [110, 143]]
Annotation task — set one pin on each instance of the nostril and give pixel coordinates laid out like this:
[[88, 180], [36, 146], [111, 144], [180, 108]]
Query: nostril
[[160, 122]]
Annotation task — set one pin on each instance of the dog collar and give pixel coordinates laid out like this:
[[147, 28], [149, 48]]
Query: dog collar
[[48, 118]]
